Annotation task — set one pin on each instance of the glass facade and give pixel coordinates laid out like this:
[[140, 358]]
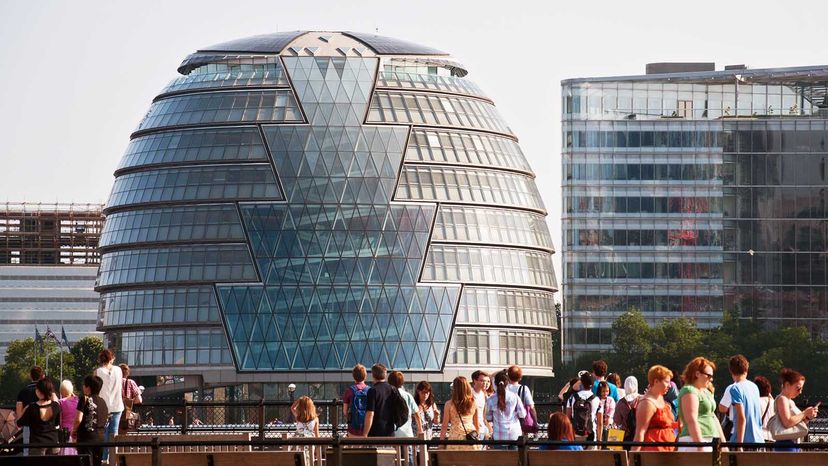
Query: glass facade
[[694, 195], [302, 212]]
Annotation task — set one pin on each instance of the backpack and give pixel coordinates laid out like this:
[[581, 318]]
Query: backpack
[[629, 423], [582, 415], [398, 408], [528, 424], [356, 412]]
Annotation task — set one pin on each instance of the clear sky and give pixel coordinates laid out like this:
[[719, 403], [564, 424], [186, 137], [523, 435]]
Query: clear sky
[[77, 76]]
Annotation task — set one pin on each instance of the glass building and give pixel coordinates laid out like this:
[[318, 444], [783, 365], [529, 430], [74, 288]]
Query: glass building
[[295, 203], [690, 192]]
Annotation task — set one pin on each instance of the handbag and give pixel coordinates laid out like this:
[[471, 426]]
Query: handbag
[[779, 432], [528, 424], [473, 435]]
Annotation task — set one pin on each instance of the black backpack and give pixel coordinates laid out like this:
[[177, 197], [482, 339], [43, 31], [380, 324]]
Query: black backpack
[[582, 415], [629, 428], [398, 408]]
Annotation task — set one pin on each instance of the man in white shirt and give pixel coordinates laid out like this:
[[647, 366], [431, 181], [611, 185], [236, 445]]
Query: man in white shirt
[[481, 382], [515, 374], [596, 414]]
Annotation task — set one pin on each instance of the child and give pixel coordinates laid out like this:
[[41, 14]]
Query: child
[[307, 423], [607, 405]]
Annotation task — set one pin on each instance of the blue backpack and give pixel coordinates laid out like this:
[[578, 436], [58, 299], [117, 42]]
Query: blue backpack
[[356, 412]]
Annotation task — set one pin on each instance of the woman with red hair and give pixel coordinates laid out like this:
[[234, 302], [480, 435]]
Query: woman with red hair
[[560, 429]]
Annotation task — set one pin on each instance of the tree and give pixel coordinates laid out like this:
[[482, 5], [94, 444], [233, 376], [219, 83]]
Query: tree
[[22, 355], [85, 353], [632, 342], [675, 342]]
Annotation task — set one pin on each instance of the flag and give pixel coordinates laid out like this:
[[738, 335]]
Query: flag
[[63, 339], [38, 339], [50, 334]]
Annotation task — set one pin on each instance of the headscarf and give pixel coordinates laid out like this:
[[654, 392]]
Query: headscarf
[[631, 388]]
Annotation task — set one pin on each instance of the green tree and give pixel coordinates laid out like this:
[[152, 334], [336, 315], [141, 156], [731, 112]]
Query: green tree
[[22, 355], [675, 342], [632, 343], [85, 353]]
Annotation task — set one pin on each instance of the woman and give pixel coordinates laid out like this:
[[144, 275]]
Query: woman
[[461, 412], [625, 405], [42, 418], [560, 429], [697, 407], [91, 418], [504, 410], [112, 377], [68, 411], [424, 397], [615, 379], [131, 395], [414, 425], [765, 404], [654, 416], [792, 384]]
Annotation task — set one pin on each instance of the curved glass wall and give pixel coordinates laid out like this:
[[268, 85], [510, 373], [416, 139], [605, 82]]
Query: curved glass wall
[[495, 226], [213, 263], [436, 110], [464, 148], [173, 347], [222, 107], [203, 183], [173, 224], [227, 73], [496, 266], [428, 82], [185, 305], [194, 146], [512, 306], [493, 347], [468, 186]]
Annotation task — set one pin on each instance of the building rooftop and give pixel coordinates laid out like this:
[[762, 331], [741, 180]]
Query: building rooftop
[[811, 73]]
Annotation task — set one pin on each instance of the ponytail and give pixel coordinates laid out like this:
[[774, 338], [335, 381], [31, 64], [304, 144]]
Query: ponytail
[[501, 381]]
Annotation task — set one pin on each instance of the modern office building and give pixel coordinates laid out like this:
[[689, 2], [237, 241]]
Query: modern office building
[[299, 202], [690, 192], [48, 266]]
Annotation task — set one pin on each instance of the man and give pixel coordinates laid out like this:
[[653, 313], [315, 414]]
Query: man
[[480, 383], [355, 400], [745, 403], [599, 372], [25, 397], [515, 374], [379, 421], [584, 408]]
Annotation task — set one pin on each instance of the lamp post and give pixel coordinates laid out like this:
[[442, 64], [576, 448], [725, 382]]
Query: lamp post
[[291, 391]]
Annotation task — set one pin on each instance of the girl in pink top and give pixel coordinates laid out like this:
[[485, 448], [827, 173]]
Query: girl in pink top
[[68, 412]]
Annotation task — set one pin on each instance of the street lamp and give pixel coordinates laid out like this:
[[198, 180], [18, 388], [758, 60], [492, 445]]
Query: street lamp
[[291, 391]]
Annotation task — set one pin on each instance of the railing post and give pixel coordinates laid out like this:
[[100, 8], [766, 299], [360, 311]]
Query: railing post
[[156, 451], [523, 453], [262, 419], [717, 452], [335, 419], [337, 450], [184, 420]]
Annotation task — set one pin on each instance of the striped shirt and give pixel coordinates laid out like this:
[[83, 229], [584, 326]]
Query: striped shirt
[[506, 423]]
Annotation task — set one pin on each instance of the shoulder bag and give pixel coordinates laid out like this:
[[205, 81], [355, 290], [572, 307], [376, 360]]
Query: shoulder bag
[[779, 432]]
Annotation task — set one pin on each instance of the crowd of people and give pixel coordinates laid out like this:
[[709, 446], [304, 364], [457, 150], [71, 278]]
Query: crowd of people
[[597, 408], [93, 415]]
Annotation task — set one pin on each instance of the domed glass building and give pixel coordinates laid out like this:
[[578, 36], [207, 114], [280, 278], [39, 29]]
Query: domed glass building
[[295, 203]]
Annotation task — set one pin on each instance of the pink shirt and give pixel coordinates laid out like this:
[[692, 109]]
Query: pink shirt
[[68, 412]]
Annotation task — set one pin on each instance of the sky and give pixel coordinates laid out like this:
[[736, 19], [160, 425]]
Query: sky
[[77, 76]]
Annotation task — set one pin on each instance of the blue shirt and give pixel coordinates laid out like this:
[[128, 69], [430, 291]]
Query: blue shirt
[[612, 387], [562, 447], [746, 393]]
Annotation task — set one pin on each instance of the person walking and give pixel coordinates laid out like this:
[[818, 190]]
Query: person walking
[[111, 378], [461, 413], [91, 418], [585, 410], [42, 418], [744, 396], [515, 374], [25, 397], [68, 412], [504, 410], [607, 410], [654, 421], [697, 407], [307, 424], [379, 420], [131, 395], [355, 400], [789, 414], [765, 404], [615, 379], [480, 386], [429, 411]]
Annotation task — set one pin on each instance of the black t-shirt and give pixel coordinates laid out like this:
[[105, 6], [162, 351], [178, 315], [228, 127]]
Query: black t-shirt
[[95, 414], [41, 431], [378, 402], [27, 396]]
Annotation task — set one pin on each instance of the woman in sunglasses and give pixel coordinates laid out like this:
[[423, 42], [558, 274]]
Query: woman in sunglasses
[[789, 414], [697, 407]]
